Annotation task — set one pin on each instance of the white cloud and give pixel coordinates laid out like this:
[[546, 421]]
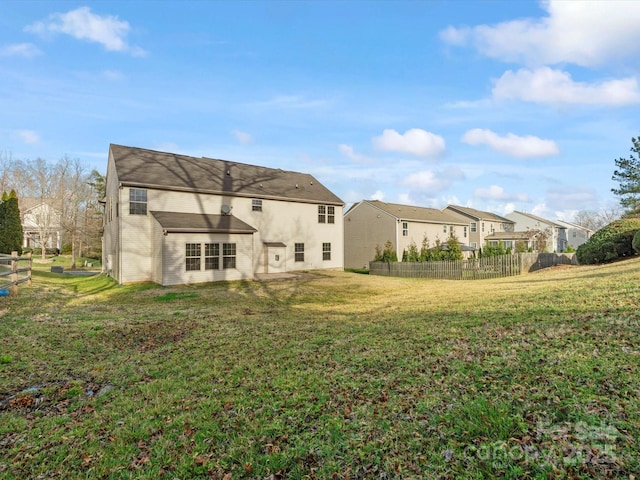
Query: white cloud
[[347, 151], [432, 181], [378, 195], [545, 85], [572, 197], [415, 141], [243, 137], [81, 23], [404, 199], [496, 192], [28, 136], [510, 144], [583, 33], [27, 50]]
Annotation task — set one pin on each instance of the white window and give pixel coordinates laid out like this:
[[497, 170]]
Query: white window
[[228, 255], [299, 252], [474, 227], [192, 256], [256, 205], [464, 231], [326, 251], [405, 229], [137, 201], [212, 256]]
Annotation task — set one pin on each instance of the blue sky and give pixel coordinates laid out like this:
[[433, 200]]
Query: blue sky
[[498, 105]]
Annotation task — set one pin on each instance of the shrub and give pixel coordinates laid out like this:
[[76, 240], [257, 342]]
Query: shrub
[[611, 242], [635, 243]]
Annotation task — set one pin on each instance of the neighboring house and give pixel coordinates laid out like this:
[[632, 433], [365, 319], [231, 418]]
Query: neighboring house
[[175, 219], [557, 233], [481, 224], [576, 234], [510, 240], [41, 224], [371, 223]]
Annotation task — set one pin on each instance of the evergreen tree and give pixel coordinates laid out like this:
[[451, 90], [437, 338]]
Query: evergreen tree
[[3, 221], [627, 174], [10, 225], [454, 249], [13, 225]]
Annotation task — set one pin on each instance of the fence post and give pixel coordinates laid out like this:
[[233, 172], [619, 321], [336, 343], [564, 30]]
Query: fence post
[[29, 267], [14, 274]]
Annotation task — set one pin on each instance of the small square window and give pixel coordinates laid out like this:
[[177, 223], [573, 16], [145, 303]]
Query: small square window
[[256, 205]]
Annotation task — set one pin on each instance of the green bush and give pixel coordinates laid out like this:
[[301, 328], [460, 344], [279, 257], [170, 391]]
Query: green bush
[[611, 242], [635, 243]]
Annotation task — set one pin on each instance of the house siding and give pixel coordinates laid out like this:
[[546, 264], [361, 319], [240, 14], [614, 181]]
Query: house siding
[[365, 228], [175, 272], [141, 250], [556, 242]]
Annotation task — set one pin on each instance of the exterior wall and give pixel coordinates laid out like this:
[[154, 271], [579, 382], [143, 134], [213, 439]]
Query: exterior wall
[[139, 254], [557, 241], [157, 252], [174, 263], [576, 235], [433, 232], [483, 227], [111, 235], [366, 227]]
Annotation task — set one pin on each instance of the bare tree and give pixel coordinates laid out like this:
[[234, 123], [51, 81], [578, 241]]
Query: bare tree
[[76, 193], [44, 184], [595, 220]]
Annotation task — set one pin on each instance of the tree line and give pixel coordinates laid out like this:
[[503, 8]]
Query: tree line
[[71, 193]]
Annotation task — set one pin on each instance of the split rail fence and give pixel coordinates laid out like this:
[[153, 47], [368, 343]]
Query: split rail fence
[[13, 266], [473, 268]]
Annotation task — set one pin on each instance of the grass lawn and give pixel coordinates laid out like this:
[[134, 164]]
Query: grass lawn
[[329, 376]]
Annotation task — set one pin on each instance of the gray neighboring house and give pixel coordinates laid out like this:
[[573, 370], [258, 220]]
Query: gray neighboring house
[[557, 241], [371, 223], [176, 219], [576, 234]]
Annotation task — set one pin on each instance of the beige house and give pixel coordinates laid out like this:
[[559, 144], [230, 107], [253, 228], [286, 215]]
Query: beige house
[[175, 219], [481, 224], [371, 223]]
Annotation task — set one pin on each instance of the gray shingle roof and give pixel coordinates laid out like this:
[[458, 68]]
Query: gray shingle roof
[[153, 169], [479, 214], [419, 214], [201, 223]]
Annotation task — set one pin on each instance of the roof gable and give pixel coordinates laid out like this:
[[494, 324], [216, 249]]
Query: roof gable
[[538, 219], [153, 169]]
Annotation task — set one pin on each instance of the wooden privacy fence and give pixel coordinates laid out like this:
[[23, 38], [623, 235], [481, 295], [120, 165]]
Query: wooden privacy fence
[[10, 267], [473, 268]]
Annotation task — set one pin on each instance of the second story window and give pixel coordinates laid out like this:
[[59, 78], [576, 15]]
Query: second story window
[[256, 205], [474, 227], [326, 214], [464, 232], [405, 229], [137, 201]]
